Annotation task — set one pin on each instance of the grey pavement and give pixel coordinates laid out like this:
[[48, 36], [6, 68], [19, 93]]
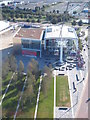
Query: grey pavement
[[63, 113]]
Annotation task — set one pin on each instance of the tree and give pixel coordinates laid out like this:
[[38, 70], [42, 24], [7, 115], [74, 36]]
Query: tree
[[80, 44], [74, 22], [46, 79], [54, 11], [14, 20], [80, 23], [37, 9], [28, 20], [59, 19], [39, 20], [28, 98], [45, 86], [33, 67], [3, 5], [21, 69], [47, 70], [74, 12], [33, 21], [15, 78], [22, 15], [13, 63], [57, 11], [54, 20], [9, 19], [30, 91], [17, 15], [25, 16], [5, 68]]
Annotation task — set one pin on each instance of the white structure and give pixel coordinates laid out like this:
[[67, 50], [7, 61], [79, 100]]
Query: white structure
[[4, 26], [58, 36], [6, 2]]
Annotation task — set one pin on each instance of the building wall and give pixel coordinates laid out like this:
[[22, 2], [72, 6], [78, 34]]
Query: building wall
[[31, 47]]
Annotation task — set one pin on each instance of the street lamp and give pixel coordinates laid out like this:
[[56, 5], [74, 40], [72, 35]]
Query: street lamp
[[61, 47], [8, 54]]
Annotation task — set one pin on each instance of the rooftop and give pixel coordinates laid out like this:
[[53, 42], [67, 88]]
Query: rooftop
[[55, 32], [33, 33], [4, 25]]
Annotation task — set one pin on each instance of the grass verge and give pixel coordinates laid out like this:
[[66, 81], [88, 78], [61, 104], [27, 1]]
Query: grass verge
[[62, 92], [45, 108]]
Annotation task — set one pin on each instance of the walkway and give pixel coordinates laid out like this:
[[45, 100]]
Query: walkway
[[35, 115]]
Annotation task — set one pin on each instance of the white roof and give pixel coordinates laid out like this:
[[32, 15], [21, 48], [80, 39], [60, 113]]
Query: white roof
[[3, 25], [55, 32]]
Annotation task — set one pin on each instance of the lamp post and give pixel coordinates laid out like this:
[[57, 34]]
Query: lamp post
[[61, 46], [8, 54]]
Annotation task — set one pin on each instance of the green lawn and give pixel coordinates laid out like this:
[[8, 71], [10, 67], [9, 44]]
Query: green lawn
[[62, 92], [30, 110], [26, 114], [10, 101], [45, 108], [7, 79]]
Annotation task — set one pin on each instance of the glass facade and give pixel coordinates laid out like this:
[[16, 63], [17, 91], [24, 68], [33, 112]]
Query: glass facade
[[31, 44]]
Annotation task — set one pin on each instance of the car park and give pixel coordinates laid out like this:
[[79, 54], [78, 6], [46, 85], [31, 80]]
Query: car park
[[61, 69], [74, 65], [56, 68], [74, 86], [70, 68]]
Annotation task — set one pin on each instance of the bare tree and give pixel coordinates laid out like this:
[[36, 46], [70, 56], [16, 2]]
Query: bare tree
[[21, 69], [46, 80], [5, 68], [13, 63], [47, 70], [33, 67]]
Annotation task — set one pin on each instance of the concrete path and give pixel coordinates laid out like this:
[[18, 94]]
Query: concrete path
[[54, 94], [35, 115]]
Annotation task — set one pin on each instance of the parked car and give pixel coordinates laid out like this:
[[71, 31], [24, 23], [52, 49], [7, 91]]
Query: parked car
[[77, 77]]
